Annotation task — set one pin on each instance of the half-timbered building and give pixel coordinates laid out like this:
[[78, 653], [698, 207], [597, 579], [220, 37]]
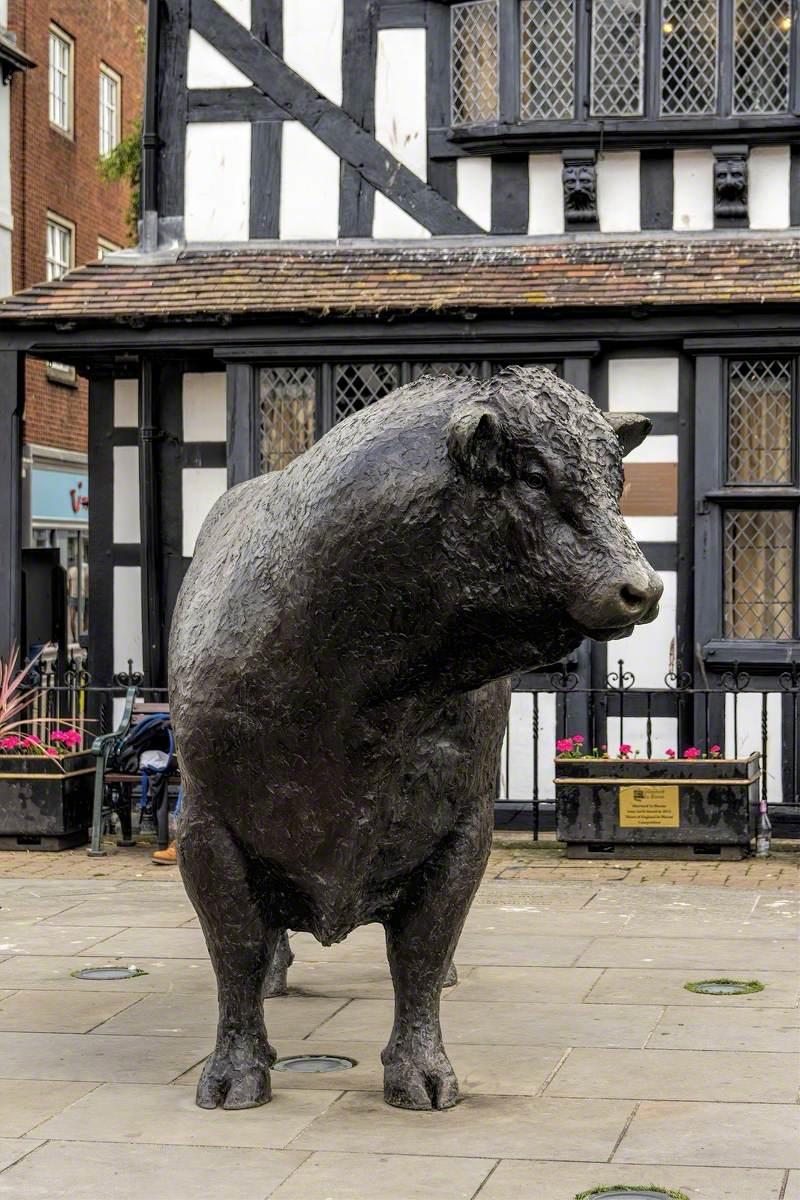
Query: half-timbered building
[[339, 195]]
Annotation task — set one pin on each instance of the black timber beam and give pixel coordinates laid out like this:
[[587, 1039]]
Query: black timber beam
[[327, 121], [11, 406]]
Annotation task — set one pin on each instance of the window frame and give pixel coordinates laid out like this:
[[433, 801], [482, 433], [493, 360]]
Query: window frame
[[651, 129], [714, 496], [106, 245], [68, 227], [61, 35], [107, 72]]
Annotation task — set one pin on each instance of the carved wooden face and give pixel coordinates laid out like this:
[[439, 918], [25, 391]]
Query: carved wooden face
[[729, 177], [579, 187]]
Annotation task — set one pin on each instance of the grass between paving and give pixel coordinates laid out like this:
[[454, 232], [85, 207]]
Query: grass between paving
[[623, 1188], [746, 986]]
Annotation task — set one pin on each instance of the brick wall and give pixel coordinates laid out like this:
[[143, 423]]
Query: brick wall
[[51, 171]]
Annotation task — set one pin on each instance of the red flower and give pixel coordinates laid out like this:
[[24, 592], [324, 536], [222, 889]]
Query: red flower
[[715, 750], [692, 752], [565, 745], [577, 739], [670, 753], [625, 750]]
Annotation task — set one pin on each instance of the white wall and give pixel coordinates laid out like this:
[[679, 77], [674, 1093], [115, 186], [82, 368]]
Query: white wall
[[126, 494], [309, 200], [618, 192], [749, 713], [217, 181], [693, 190], [517, 784], [207, 68], [127, 624], [643, 385], [201, 488], [474, 189], [312, 43], [769, 170], [401, 120], [126, 403], [6, 220], [204, 407], [546, 194]]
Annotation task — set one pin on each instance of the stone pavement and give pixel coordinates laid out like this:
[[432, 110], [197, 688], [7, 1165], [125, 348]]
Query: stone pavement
[[583, 1060]]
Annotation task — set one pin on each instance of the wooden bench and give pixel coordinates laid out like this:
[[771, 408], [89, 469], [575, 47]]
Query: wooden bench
[[135, 710]]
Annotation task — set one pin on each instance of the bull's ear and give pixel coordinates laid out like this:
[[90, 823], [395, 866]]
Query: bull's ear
[[479, 446], [630, 428]]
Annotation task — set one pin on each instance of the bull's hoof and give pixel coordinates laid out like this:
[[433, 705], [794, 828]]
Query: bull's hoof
[[421, 1085], [237, 1076], [451, 978]]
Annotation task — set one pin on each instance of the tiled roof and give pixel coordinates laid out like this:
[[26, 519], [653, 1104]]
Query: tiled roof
[[352, 278]]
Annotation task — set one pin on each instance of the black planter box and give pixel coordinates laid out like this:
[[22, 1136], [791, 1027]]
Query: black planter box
[[45, 803], [657, 808]]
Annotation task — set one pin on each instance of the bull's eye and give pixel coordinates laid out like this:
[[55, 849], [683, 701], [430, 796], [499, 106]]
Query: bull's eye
[[535, 479]]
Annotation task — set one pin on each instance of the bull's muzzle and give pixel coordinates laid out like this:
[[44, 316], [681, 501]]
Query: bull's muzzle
[[620, 603]]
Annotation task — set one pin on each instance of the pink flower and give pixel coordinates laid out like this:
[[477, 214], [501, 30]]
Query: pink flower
[[577, 739], [50, 750], [564, 745], [625, 750], [9, 743], [670, 753], [692, 752], [31, 740], [715, 750]]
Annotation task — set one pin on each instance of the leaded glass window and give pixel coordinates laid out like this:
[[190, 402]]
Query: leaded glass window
[[358, 384], [760, 421], [688, 57], [455, 370], [547, 59], [287, 401], [617, 58], [473, 62], [759, 574], [762, 39]]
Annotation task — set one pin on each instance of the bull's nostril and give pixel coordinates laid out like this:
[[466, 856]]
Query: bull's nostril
[[632, 597]]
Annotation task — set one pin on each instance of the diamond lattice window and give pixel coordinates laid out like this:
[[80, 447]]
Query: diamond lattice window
[[688, 57], [455, 370], [288, 401], [473, 62], [358, 384], [547, 59], [759, 574], [762, 37], [617, 58], [760, 421]]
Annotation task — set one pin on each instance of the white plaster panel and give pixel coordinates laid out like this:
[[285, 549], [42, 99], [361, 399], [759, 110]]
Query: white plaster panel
[[546, 194], [643, 385], [204, 407], [401, 121], [126, 403], [768, 187], [6, 218], [240, 9], [389, 221], [217, 182], [201, 487], [657, 448], [207, 68], [312, 43], [6, 285], [648, 652], [126, 494], [309, 203], [516, 768], [127, 623], [749, 711], [693, 190], [618, 192], [653, 529], [474, 189], [664, 731]]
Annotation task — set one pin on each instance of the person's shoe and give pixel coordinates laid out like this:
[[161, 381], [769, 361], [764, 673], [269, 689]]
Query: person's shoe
[[166, 858]]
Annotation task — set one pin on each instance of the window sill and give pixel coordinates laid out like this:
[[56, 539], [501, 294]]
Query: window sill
[[67, 134], [642, 132], [725, 655], [65, 376]]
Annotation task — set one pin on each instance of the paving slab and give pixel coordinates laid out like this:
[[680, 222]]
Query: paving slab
[[194, 1014], [84, 1057], [710, 955], [532, 985], [533, 920], [51, 939], [85, 1171], [13, 1149], [17, 907], [152, 943], [52, 1012], [384, 1177], [740, 1029], [503, 1071], [54, 973], [478, 1127], [793, 1186], [713, 1135], [366, 980], [25, 1103], [129, 910], [169, 1116], [710, 925], [509, 1023], [677, 1075], [562, 1181], [663, 986]]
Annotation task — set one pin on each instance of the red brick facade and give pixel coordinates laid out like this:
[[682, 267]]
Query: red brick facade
[[54, 172]]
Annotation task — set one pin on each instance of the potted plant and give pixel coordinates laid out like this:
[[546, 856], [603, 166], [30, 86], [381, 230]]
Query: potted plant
[[45, 777], [689, 805]]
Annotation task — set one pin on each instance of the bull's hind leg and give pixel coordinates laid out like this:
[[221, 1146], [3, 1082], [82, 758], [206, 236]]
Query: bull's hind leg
[[276, 982], [242, 946], [421, 937]]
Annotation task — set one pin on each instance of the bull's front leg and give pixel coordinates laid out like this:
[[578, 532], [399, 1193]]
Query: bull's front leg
[[421, 937]]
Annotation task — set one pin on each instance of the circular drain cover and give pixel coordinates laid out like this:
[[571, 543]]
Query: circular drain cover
[[310, 1064], [108, 973], [725, 987], [631, 1194]]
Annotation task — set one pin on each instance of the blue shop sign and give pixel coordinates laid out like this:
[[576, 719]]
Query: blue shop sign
[[59, 497]]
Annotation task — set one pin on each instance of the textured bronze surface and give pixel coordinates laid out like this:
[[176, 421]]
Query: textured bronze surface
[[339, 658]]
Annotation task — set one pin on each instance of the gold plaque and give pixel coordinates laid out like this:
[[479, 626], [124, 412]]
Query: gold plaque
[[642, 806]]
